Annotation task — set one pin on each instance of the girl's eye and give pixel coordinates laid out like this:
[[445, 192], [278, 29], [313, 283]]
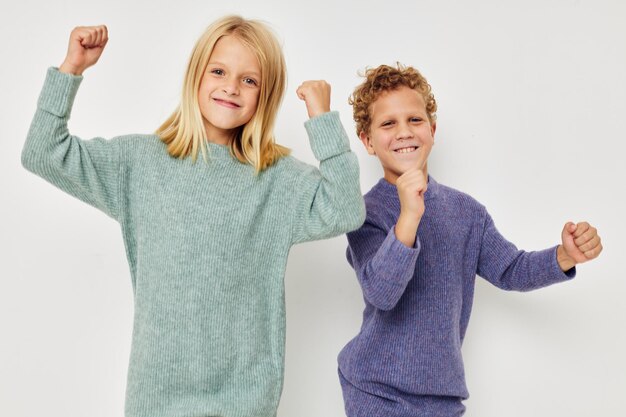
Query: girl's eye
[[250, 81], [217, 71]]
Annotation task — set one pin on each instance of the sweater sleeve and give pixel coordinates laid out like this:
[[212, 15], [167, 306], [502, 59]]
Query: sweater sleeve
[[328, 200], [506, 267], [383, 265], [86, 169]]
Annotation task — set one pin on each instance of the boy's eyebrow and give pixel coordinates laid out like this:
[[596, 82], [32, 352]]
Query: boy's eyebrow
[[395, 115]]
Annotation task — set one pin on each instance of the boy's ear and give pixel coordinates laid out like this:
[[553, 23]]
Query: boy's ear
[[366, 142], [433, 127]]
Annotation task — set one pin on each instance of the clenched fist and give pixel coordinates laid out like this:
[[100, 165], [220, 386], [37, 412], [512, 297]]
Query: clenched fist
[[580, 243], [316, 95], [411, 188], [85, 47]]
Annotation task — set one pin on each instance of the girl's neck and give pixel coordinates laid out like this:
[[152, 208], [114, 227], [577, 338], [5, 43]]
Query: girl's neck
[[219, 136]]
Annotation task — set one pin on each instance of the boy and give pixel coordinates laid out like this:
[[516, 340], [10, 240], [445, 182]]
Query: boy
[[416, 258]]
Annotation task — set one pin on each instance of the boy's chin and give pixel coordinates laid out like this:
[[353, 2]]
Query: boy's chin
[[409, 165], [391, 175]]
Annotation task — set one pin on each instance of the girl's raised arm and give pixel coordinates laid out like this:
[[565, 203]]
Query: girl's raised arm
[[329, 200], [89, 169]]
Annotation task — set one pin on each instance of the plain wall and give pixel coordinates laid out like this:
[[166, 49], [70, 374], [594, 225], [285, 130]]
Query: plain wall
[[532, 98]]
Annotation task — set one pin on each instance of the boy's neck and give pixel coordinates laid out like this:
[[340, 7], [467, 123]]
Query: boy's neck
[[391, 179]]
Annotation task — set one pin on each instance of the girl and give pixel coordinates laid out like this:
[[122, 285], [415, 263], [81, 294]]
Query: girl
[[206, 241]]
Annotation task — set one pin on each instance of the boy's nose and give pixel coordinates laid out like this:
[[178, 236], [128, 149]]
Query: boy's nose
[[404, 133]]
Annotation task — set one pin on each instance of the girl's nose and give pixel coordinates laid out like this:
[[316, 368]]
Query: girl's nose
[[231, 88]]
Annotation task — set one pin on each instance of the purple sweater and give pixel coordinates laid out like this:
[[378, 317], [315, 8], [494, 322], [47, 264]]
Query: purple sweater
[[418, 300]]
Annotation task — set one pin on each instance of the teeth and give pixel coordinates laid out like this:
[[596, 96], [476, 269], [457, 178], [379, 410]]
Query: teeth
[[406, 150]]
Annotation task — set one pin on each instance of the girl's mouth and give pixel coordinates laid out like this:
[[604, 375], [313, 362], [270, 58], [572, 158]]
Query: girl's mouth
[[226, 103]]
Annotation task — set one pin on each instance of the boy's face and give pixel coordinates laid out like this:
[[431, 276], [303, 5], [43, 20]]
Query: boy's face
[[400, 134]]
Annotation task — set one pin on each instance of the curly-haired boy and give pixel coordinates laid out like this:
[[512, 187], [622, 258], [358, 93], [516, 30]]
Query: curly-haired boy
[[416, 258]]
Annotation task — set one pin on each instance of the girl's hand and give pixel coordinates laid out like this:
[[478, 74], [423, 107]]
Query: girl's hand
[[580, 243], [411, 188], [84, 49], [316, 95]]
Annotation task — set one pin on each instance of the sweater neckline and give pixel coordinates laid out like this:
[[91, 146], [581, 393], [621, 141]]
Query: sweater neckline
[[431, 192], [217, 151]]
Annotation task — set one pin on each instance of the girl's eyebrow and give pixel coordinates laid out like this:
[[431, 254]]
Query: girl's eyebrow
[[220, 64], [252, 74]]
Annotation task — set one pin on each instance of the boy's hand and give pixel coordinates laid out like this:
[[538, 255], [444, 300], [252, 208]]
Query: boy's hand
[[316, 95], [581, 243], [411, 188], [84, 49]]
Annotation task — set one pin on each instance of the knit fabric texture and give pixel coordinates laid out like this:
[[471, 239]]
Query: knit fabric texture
[[207, 245], [418, 300]]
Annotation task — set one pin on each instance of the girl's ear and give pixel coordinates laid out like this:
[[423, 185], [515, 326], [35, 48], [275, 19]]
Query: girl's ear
[[367, 143]]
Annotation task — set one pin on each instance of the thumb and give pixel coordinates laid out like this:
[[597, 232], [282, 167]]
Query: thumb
[[568, 230]]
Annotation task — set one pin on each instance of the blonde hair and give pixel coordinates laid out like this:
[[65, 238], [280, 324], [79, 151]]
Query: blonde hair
[[385, 78], [184, 132]]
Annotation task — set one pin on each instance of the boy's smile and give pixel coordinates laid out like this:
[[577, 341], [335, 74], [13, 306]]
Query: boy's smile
[[401, 135]]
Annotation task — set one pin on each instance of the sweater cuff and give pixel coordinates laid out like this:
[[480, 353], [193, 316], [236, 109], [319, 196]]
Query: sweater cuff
[[556, 269], [398, 260], [59, 90], [327, 135]]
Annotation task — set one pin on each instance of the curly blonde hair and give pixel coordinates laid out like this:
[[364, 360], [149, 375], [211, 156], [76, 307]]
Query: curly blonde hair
[[385, 78]]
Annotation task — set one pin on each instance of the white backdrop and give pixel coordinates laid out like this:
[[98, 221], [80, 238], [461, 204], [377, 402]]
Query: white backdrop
[[532, 98]]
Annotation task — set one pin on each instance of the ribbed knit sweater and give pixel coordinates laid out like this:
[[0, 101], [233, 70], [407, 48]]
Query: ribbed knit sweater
[[207, 245], [418, 300]]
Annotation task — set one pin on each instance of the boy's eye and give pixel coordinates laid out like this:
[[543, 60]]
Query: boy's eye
[[416, 119], [387, 123]]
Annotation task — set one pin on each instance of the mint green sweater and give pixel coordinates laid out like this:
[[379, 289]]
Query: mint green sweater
[[207, 246]]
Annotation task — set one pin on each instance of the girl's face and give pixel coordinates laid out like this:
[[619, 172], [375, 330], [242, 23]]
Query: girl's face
[[229, 90]]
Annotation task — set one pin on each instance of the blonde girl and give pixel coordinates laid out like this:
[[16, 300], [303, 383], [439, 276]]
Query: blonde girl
[[209, 207]]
